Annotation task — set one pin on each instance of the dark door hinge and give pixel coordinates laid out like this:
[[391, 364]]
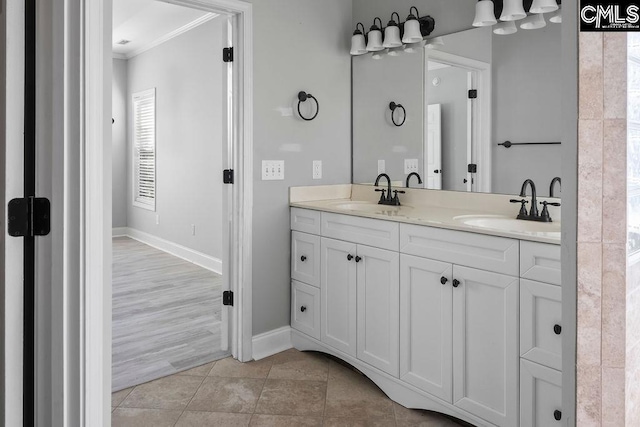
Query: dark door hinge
[[227, 176], [29, 216], [473, 93], [227, 54], [472, 168], [227, 298]]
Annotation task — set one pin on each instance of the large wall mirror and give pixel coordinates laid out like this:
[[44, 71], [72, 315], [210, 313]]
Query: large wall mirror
[[463, 96]]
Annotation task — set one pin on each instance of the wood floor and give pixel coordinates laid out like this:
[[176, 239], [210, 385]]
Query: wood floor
[[166, 314]]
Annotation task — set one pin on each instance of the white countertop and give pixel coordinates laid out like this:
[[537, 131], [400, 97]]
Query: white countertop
[[449, 217]]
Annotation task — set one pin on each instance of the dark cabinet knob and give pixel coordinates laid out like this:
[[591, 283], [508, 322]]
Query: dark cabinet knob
[[303, 258], [303, 309], [456, 283], [349, 257], [557, 415], [444, 280], [557, 329], [358, 259]]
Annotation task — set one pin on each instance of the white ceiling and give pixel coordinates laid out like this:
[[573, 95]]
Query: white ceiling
[[147, 23]]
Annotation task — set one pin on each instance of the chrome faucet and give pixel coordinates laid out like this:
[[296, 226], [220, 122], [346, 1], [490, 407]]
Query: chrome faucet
[[387, 199], [552, 185], [533, 215], [409, 177]]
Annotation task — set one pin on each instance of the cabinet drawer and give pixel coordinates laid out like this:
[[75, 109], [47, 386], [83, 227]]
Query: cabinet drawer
[[541, 262], [305, 309], [540, 395], [490, 253], [370, 232], [540, 323], [305, 258], [305, 220]]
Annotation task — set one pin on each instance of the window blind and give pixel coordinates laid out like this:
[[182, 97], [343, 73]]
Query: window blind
[[144, 145]]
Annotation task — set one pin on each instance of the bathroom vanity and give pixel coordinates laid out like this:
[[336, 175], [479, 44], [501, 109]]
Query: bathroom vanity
[[445, 308]]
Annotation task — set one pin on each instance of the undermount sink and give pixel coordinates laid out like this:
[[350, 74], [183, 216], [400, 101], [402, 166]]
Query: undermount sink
[[496, 222], [369, 207]]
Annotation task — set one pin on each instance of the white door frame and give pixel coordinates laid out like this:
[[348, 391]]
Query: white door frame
[[94, 29], [481, 116]]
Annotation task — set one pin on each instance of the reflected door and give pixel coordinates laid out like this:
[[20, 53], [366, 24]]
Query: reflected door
[[434, 147]]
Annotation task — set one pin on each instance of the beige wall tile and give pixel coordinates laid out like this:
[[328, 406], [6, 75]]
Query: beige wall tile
[[589, 303], [632, 386], [613, 397], [633, 319], [614, 190], [588, 396], [615, 75], [613, 305], [590, 181], [591, 85]]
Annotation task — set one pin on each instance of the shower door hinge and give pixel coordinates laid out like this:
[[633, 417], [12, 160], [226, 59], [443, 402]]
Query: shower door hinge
[[473, 93], [227, 298], [29, 217], [227, 54], [227, 176]]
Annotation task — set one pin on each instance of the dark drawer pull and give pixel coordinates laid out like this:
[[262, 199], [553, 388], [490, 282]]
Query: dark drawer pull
[[557, 415], [444, 280], [349, 257], [557, 329], [358, 259], [456, 283], [303, 258], [303, 309]]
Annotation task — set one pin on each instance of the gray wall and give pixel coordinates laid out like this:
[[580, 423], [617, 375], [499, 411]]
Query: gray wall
[[527, 91], [119, 143], [376, 82], [187, 74], [298, 45], [451, 94], [474, 44]]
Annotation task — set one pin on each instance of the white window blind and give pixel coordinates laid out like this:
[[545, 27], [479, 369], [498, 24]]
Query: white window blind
[[144, 147]]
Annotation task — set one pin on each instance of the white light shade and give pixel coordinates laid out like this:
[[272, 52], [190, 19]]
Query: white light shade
[[504, 28], [357, 45], [485, 15], [412, 32], [512, 10], [556, 18], [434, 43], [543, 6], [533, 22], [392, 37], [375, 41]]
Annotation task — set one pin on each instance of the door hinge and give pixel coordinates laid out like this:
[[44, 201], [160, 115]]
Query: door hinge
[[227, 176], [473, 93], [472, 168], [29, 217], [227, 54], [227, 298]]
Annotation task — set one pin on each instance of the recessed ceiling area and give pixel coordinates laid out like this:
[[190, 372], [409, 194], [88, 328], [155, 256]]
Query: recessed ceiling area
[[147, 23]]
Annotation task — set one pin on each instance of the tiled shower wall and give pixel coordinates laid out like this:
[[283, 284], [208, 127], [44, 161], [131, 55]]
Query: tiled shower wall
[[602, 233]]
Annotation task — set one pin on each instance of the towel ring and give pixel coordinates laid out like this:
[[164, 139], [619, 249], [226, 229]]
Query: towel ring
[[393, 106], [302, 97]]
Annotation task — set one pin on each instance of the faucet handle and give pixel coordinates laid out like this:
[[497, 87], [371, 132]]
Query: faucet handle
[[523, 201], [544, 203], [383, 197], [523, 210], [545, 212]]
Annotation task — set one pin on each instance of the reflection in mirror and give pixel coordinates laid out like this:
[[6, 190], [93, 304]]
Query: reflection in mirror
[[451, 135]]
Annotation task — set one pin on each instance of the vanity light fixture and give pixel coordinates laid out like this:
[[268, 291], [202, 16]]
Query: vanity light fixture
[[543, 6], [375, 37], [533, 22], [392, 33], [358, 42], [512, 11], [485, 15], [556, 18], [412, 33], [505, 28]]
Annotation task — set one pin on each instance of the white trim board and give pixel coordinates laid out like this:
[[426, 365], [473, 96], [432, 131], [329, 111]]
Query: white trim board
[[187, 254], [272, 342]]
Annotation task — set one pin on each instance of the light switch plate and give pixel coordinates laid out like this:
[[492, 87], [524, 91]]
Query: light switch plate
[[272, 170], [317, 169], [410, 165], [381, 167]]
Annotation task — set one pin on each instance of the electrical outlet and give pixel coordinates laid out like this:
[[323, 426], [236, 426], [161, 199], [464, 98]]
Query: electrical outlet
[[317, 169], [410, 165], [272, 170], [381, 167], [193, 229]]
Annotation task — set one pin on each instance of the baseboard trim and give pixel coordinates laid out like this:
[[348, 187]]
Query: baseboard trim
[[195, 257], [271, 342]]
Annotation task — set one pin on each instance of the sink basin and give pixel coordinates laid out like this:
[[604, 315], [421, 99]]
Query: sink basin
[[370, 207], [496, 222]]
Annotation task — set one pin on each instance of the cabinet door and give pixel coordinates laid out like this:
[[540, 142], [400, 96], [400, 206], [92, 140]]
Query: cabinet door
[[541, 323], [305, 258], [379, 308], [305, 309], [540, 396], [485, 345], [425, 325], [338, 295]]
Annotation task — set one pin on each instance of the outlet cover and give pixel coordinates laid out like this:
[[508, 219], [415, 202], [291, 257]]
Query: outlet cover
[[381, 167], [410, 165], [272, 170], [317, 169]]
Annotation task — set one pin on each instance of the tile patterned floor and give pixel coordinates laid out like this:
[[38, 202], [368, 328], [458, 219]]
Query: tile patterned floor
[[291, 388]]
